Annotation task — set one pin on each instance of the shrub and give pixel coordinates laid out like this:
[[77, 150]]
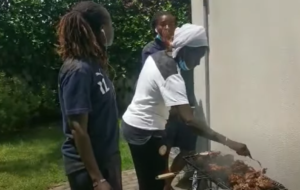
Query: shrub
[[17, 104], [30, 63]]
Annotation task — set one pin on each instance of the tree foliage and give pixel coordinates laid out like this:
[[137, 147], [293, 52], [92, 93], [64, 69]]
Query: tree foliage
[[29, 63]]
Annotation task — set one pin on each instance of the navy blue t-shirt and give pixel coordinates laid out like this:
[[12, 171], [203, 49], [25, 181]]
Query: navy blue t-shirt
[[151, 48], [85, 88]]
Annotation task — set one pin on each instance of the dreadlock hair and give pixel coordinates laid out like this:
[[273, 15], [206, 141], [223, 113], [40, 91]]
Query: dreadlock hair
[[79, 33], [156, 17]]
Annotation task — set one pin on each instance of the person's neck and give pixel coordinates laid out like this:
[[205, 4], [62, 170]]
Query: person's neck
[[159, 42]]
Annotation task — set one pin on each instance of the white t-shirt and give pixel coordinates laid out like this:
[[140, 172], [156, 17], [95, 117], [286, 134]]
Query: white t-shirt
[[160, 86]]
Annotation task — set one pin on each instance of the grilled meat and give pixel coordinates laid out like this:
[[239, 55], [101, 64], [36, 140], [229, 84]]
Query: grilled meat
[[235, 179], [244, 187], [248, 179], [264, 183], [215, 168], [251, 181], [240, 167], [240, 175]]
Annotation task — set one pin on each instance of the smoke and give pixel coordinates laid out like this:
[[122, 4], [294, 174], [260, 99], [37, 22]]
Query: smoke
[[219, 165]]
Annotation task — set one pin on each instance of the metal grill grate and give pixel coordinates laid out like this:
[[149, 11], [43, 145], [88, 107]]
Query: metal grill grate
[[202, 174]]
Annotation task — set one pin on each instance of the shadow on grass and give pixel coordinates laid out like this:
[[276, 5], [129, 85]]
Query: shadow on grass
[[48, 132], [25, 166], [31, 152], [38, 151], [32, 159]]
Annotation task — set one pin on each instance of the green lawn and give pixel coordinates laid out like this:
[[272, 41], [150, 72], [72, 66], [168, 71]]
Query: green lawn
[[33, 161]]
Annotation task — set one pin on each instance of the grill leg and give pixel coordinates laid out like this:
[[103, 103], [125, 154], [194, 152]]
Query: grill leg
[[198, 183], [203, 184], [195, 181]]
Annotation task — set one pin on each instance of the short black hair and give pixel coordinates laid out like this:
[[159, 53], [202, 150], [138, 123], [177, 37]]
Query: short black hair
[[157, 15]]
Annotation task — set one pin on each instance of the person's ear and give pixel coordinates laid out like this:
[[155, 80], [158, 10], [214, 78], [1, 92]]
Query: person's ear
[[103, 33]]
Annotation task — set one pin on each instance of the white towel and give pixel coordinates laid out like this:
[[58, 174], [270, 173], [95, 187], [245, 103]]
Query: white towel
[[190, 35]]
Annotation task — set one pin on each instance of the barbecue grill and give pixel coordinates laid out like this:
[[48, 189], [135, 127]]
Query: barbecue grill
[[218, 183]]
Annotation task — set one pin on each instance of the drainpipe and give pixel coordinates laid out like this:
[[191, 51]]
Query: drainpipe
[[207, 83]]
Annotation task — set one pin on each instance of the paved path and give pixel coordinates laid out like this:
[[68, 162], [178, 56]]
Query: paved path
[[129, 182]]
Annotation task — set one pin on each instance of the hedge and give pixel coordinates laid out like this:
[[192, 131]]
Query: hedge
[[29, 63]]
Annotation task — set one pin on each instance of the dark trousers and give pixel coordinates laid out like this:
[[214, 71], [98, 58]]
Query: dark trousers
[[81, 180], [149, 163]]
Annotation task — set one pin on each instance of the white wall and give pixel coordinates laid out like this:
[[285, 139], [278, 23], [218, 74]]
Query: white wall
[[255, 80], [197, 17]]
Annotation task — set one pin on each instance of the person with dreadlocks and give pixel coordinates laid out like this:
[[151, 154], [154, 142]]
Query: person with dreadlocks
[[160, 89], [87, 99], [177, 135]]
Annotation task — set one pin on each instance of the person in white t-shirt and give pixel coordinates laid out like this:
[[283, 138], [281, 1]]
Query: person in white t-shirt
[[161, 90]]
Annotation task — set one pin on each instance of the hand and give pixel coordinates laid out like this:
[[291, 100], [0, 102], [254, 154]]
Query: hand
[[239, 148], [103, 186], [167, 37]]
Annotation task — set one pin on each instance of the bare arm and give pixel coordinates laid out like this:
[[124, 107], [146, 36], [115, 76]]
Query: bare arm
[[188, 77], [78, 125], [175, 96], [185, 112], [188, 115], [199, 126]]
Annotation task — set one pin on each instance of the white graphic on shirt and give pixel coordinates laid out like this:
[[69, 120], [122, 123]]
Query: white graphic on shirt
[[99, 73], [103, 86]]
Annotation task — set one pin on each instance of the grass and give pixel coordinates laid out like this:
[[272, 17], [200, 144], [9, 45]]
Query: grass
[[33, 159]]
